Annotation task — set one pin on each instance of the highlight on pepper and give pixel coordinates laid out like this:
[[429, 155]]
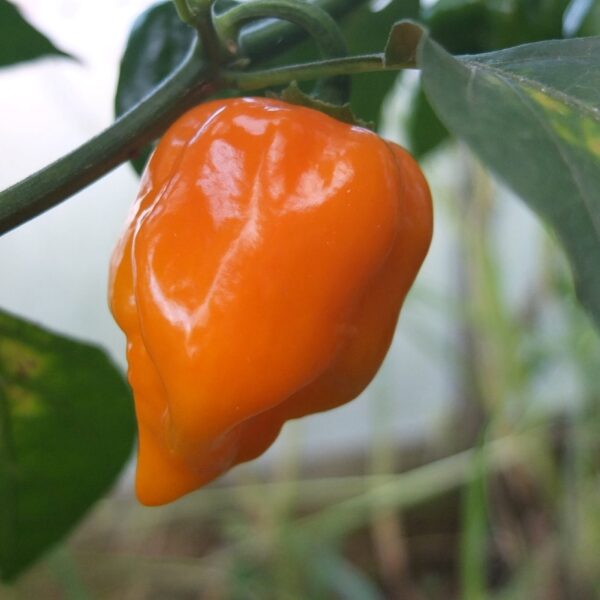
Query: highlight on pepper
[[259, 279]]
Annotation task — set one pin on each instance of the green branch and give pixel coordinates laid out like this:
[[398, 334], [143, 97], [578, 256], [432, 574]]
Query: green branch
[[351, 65], [71, 173], [200, 12]]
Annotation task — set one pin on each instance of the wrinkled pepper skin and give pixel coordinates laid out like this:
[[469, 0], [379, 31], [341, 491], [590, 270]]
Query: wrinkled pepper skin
[[259, 279]]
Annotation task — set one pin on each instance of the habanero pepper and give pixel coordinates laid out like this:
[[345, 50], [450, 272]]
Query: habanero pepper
[[259, 279]]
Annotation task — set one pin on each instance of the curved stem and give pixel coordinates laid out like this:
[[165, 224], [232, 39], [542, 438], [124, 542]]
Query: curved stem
[[257, 39], [318, 23], [313, 19], [102, 153], [201, 16]]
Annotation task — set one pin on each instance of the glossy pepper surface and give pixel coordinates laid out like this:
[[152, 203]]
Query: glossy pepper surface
[[259, 279]]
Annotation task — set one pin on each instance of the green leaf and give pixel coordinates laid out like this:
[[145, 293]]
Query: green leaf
[[19, 41], [532, 114], [425, 131], [475, 26], [157, 44], [66, 430], [472, 26]]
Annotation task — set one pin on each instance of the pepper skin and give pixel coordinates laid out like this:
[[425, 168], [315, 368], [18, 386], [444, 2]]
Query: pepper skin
[[259, 279]]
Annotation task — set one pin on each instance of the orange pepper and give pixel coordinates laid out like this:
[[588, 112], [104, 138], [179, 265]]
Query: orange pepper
[[259, 279]]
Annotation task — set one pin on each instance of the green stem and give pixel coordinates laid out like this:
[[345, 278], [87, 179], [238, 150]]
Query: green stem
[[313, 19], [318, 23], [201, 14], [254, 80], [98, 156], [257, 40]]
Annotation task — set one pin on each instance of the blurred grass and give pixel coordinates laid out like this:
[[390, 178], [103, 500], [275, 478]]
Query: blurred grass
[[501, 504]]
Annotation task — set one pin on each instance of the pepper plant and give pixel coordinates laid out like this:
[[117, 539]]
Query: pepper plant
[[518, 82]]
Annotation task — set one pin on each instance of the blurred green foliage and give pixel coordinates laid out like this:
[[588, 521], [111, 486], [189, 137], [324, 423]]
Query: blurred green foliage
[[19, 40]]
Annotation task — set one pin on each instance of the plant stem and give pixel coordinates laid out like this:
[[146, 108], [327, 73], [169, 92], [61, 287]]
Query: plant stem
[[201, 15], [98, 156], [319, 24], [312, 18], [253, 80]]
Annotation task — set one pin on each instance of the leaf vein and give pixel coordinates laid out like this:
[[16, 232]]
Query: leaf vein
[[587, 201], [570, 101]]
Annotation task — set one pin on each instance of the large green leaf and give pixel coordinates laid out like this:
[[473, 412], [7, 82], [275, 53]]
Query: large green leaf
[[19, 41], [474, 26], [532, 114], [66, 429]]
